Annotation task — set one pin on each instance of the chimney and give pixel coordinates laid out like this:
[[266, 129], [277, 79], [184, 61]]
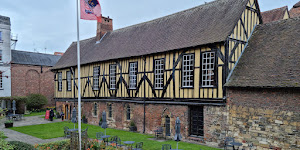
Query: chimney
[[58, 53], [105, 26]]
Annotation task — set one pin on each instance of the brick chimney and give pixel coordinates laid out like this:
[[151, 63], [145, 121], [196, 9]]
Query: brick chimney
[[105, 26]]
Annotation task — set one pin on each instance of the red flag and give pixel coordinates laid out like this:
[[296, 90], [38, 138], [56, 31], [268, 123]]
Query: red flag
[[90, 10]]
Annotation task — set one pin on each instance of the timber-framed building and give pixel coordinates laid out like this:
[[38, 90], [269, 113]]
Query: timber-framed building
[[153, 72]]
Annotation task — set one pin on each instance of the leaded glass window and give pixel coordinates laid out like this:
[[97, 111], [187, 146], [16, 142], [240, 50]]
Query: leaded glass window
[[60, 81], [132, 75], [112, 76], [159, 65], [96, 78], [208, 69], [69, 85], [188, 71]]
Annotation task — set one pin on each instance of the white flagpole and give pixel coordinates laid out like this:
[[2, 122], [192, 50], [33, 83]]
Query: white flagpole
[[79, 84]]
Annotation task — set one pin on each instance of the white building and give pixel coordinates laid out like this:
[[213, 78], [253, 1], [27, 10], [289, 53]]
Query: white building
[[5, 58]]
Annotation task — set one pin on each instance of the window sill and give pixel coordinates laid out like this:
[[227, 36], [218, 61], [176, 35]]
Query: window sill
[[187, 87]]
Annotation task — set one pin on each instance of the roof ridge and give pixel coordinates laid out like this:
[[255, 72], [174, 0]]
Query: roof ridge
[[32, 52], [276, 9], [153, 20], [279, 21]]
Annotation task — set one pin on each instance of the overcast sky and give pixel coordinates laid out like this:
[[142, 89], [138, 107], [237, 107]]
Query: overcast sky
[[50, 26]]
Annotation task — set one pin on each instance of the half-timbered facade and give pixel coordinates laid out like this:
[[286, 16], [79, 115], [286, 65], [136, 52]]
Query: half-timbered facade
[[153, 72]]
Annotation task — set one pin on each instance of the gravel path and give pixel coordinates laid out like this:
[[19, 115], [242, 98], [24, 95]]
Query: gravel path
[[17, 136]]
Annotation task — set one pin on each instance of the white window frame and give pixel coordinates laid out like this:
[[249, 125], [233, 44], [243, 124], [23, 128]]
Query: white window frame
[[208, 69], [59, 76], [1, 80], [133, 75], [112, 76], [159, 66], [69, 81], [96, 74], [188, 71]]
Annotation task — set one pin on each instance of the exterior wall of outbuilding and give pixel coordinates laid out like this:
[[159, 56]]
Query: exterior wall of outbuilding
[[268, 118], [28, 79]]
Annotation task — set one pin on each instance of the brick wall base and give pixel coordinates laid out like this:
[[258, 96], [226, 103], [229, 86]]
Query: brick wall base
[[214, 118]]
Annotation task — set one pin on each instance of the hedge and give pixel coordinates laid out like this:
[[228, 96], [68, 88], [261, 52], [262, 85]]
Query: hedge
[[21, 145]]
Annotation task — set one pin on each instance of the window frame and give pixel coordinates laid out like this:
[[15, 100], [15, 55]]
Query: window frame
[[110, 77], [95, 110], [1, 37], [96, 88], [128, 112], [1, 80], [214, 70], [192, 72], [129, 75], [59, 80], [110, 111], [1, 55], [163, 73], [69, 81]]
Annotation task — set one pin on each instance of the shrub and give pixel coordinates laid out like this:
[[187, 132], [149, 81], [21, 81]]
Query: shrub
[[132, 124], [21, 145], [4, 144], [36, 101], [61, 145]]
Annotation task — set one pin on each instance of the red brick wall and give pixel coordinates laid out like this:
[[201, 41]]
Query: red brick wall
[[277, 99], [155, 114], [28, 79], [214, 118]]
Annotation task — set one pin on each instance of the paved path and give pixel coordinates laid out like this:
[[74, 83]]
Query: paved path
[[17, 136]]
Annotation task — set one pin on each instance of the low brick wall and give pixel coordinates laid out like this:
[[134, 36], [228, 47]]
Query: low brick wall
[[268, 118]]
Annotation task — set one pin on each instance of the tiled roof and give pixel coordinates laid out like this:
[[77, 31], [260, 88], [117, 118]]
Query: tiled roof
[[30, 58], [205, 24], [4, 20], [274, 14], [272, 57], [295, 11]]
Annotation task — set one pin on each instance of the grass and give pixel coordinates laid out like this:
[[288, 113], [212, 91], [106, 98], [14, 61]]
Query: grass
[[54, 130], [35, 114]]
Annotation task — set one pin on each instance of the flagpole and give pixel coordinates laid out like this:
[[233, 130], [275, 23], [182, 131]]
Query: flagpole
[[79, 84]]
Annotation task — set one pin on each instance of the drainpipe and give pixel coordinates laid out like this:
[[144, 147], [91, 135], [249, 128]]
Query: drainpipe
[[144, 126]]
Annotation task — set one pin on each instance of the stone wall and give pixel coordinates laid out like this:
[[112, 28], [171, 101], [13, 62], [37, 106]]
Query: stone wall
[[268, 118], [27, 79], [215, 125]]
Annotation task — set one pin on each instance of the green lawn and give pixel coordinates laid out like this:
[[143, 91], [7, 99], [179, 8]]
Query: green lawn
[[35, 114], [54, 130]]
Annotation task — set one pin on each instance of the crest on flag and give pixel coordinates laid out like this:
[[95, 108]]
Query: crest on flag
[[90, 10]]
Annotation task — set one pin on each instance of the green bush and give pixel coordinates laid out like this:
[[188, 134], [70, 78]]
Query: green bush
[[36, 101], [4, 144], [21, 145]]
